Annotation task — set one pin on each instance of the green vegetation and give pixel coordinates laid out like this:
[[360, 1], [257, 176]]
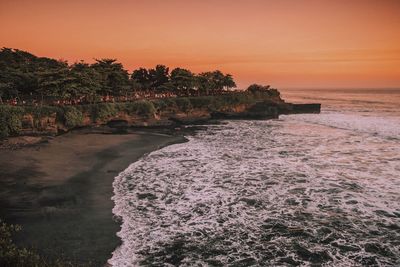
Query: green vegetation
[[209, 103], [101, 112], [260, 89], [143, 108], [13, 256], [10, 254], [72, 117], [184, 104], [11, 117], [28, 79], [10, 120], [38, 91]]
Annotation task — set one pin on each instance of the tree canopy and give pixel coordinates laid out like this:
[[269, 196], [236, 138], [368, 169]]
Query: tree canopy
[[25, 77]]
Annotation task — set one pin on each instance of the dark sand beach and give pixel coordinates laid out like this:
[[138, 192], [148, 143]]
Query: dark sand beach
[[60, 191]]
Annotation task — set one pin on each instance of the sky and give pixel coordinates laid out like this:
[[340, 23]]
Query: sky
[[285, 43]]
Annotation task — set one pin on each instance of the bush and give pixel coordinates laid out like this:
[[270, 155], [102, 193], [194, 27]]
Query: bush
[[164, 104], [102, 111], [257, 88], [72, 117], [10, 120], [183, 104], [140, 107], [201, 101], [11, 255], [274, 92], [145, 108]]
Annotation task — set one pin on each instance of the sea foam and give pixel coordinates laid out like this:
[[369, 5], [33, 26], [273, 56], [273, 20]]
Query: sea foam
[[306, 189]]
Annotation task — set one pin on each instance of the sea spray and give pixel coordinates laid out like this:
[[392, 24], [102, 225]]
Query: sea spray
[[262, 193]]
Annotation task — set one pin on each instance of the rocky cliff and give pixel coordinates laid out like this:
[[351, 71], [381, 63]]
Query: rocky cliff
[[170, 112]]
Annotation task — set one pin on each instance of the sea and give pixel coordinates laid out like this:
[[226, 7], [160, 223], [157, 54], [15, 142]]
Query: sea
[[301, 190]]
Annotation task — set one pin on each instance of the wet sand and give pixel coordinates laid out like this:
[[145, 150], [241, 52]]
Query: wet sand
[[60, 191]]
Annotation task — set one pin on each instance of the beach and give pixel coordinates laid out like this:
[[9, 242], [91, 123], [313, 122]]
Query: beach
[[60, 191]]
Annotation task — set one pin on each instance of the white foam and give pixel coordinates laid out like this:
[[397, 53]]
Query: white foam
[[222, 190], [371, 124]]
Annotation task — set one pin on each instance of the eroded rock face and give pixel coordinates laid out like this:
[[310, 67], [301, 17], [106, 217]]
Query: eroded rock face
[[260, 110], [34, 126], [27, 122], [267, 109]]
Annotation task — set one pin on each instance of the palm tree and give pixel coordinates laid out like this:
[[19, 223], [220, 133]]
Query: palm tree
[[229, 82]]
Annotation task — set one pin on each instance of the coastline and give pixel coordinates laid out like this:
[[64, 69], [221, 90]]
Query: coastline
[[60, 191]]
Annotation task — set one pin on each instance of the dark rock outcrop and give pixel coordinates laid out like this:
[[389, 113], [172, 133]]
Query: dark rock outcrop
[[121, 121], [195, 120], [289, 108], [259, 111], [118, 124]]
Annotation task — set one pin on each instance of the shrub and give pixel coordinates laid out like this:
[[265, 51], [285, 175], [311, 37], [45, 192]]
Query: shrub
[[140, 107], [257, 88], [72, 117], [201, 101], [11, 255], [274, 92], [102, 111], [10, 120], [164, 104], [145, 108], [183, 104]]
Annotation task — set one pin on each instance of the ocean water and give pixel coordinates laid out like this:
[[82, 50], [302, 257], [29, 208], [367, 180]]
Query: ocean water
[[304, 190]]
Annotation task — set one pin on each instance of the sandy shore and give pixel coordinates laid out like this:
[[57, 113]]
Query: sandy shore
[[60, 191]]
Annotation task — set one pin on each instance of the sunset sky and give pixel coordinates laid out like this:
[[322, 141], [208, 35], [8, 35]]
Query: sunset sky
[[285, 43]]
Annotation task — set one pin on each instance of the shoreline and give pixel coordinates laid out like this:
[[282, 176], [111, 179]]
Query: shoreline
[[60, 191]]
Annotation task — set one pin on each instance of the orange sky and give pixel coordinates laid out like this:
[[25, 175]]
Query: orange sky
[[285, 43]]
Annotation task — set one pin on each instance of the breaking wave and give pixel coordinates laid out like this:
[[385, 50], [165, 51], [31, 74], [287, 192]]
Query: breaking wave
[[302, 190]]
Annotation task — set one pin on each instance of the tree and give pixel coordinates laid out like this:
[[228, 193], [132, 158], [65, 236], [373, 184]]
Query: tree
[[19, 73], [229, 82], [204, 83], [24, 76], [183, 80], [52, 82], [114, 79], [84, 82], [158, 77], [218, 81], [214, 82], [254, 88], [141, 77]]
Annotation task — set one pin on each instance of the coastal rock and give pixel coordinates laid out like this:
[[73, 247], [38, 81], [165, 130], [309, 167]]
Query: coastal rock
[[117, 124], [27, 121], [190, 120], [53, 122], [289, 108], [259, 111]]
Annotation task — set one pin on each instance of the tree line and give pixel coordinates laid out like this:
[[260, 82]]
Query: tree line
[[26, 78]]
